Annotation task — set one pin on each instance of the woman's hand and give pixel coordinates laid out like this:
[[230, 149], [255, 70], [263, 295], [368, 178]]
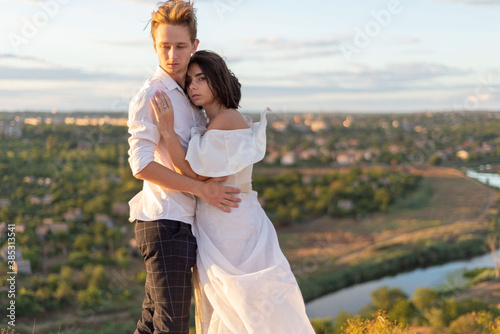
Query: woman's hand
[[164, 113]]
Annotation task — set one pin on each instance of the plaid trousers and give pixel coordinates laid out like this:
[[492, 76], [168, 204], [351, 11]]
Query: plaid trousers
[[169, 251]]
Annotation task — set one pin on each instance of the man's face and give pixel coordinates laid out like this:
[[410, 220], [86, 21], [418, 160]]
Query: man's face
[[174, 48]]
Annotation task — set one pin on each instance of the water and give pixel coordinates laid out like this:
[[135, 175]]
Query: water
[[486, 178], [352, 299]]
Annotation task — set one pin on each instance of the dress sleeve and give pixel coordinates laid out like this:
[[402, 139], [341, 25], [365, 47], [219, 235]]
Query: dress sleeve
[[225, 152]]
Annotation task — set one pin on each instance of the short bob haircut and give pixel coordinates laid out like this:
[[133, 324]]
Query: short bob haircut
[[175, 12], [222, 82]]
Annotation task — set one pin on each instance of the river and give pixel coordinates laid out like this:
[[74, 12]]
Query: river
[[352, 299], [486, 178]]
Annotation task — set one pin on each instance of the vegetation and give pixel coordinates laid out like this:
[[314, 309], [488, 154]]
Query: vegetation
[[86, 273], [391, 311], [293, 197]]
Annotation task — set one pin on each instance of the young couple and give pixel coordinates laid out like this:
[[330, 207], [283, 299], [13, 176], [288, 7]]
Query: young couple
[[197, 204]]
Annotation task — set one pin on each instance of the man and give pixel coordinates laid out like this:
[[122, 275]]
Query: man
[[164, 209]]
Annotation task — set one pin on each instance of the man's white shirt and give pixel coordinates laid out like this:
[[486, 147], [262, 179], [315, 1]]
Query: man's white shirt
[[147, 145]]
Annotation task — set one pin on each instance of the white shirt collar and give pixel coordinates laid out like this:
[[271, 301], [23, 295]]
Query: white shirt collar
[[167, 80]]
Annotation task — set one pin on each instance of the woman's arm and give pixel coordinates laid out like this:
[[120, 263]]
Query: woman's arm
[[165, 119]]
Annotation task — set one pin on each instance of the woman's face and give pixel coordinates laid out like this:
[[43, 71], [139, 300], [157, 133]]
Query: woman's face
[[198, 88]]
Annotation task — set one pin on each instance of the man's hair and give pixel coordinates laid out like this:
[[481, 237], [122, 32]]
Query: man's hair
[[222, 82], [175, 12]]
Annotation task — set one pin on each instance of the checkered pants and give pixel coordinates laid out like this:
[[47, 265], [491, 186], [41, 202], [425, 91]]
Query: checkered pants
[[169, 251]]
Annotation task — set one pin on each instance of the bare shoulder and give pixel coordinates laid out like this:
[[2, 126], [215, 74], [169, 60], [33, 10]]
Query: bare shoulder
[[230, 119]]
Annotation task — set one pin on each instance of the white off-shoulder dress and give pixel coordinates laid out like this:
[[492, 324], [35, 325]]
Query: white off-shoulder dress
[[245, 284]]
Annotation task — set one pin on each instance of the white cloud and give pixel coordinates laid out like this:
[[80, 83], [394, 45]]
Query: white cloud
[[473, 2]]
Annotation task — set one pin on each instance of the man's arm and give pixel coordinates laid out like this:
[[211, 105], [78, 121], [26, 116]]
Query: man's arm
[[211, 191], [144, 137]]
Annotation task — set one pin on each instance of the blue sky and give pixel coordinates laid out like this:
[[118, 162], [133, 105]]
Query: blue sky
[[326, 55]]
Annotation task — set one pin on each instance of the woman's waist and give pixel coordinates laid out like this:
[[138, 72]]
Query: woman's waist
[[245, 187]]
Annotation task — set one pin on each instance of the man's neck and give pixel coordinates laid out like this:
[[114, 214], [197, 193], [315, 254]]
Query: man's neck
[[181, 80]]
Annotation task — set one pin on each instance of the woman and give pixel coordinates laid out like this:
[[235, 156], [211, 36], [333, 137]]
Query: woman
[[245, 282]]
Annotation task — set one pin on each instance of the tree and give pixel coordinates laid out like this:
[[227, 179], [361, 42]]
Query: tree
[[493, 242], [83, 243], [385, 299], [424, 298], [98, 278], [383, 198]]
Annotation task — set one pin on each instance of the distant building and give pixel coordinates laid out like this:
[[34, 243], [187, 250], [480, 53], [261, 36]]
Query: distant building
[[48, 221], [41, 231], [102, 218], [59, 228], [120, 209], [35, 200], [463, 155], [20, 228], [4, 202], [4, 252], [288, 159], [24, 267], [47, 199], [3, 229], [11, 129], [73, 214], [345, 204]]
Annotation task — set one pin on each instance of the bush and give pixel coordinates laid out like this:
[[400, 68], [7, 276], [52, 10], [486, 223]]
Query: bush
[[380, 324], [472, 323]]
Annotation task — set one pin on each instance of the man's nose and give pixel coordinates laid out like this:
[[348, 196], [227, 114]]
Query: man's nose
[[172, 53]]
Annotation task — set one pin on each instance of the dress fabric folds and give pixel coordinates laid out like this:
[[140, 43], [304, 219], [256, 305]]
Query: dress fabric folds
[[244, 282]]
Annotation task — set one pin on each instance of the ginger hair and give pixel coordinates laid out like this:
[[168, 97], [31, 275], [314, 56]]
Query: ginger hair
[[175, 12]]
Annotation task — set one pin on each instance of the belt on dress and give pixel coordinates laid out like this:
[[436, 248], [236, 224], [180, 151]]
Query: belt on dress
[[246, 187]]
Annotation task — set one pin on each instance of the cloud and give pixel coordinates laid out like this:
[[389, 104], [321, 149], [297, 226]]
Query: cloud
[[278, 43], [406, 41], [20, 73], [395, 76], [15, 67], [280, 49], [473, 2]]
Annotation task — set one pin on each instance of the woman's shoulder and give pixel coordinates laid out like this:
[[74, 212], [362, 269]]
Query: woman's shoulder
[[229, 119]]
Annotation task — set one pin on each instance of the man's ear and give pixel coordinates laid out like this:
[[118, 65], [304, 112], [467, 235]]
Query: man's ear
[[195, 45], [154, 46]]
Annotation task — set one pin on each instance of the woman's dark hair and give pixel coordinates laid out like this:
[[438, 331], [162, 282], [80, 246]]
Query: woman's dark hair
[[222, 82]]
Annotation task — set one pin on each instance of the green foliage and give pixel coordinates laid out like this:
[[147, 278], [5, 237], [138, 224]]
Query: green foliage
[[385, 299], [98, 278], [380, 324], [474, 323], [292, 197], [403, 312], [91, 297], [140, 277], [424, 298], [322, 326]]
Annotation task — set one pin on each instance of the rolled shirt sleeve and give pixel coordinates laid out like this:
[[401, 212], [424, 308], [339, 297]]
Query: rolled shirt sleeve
[[144, 134]]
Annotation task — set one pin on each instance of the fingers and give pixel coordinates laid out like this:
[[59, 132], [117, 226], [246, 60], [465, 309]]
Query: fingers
[[156, 109], [223, 208], [233, 201], [231, 190], [219, 179], [163, 100]]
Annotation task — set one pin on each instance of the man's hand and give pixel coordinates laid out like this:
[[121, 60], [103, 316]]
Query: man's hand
[[218, 195]]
